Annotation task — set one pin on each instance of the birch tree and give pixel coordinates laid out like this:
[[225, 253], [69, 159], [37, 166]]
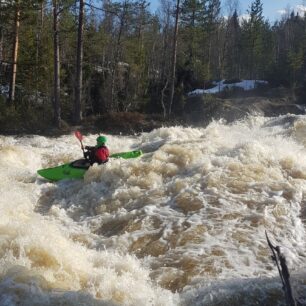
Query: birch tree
[[12, 89]]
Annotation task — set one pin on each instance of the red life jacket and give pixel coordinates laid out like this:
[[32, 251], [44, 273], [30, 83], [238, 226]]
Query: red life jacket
[[102, 154]]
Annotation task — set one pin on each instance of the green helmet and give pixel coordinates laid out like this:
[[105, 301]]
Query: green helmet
[[101, 140]]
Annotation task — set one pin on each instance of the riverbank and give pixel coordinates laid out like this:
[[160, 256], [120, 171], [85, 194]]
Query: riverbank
[[198, 111]]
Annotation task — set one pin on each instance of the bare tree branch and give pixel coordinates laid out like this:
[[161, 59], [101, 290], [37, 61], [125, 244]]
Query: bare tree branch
[[283, 271]]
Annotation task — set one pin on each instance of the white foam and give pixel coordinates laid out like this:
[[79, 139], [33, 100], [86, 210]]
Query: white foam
[[193, 209]]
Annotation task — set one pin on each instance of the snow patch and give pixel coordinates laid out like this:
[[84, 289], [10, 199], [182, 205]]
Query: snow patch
[[221, 86]]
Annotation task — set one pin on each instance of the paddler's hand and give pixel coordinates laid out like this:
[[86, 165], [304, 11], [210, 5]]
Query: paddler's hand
[[86, 155]]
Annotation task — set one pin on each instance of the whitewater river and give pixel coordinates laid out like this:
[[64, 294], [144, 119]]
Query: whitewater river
[[182, 225]]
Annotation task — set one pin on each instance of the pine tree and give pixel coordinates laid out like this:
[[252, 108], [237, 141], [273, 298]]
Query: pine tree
[[190, 19], [233, 47], [253, 37], [256, 13], [211, 27]]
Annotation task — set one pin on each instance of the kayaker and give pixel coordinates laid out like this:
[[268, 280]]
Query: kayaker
[[98, 154]]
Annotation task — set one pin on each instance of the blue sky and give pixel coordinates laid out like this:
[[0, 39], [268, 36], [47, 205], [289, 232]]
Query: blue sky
[[272, 8]]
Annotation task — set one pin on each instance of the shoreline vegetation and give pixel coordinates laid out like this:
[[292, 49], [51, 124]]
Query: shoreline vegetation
[[122, 68], [198, 111]]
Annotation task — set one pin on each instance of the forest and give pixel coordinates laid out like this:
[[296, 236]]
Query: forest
[[64, 61]]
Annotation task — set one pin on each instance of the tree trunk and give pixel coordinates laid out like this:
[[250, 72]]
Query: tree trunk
[[164, 66], [56, 98], [1, 49], [14, 55], [174, 53], [1, 38], [39, 26], [79, 70], [117, 51], [163, 99]]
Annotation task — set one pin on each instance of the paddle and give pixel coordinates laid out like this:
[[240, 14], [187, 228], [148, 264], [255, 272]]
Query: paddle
[[79, 136]]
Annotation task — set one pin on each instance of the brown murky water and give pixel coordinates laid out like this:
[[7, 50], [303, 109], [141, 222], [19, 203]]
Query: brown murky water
[[183, 224]]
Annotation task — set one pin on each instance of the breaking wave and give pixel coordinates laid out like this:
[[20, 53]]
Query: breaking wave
[[183, 224]]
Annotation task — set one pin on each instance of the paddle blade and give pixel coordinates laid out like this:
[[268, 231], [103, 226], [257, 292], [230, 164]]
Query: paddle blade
[[78, 135]]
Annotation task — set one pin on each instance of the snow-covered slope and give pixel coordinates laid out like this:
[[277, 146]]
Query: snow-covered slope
[[220, 86]]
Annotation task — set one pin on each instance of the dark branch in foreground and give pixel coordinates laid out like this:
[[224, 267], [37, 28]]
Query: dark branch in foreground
[[283, 271]]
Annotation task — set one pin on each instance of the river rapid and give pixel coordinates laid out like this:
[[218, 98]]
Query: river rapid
[[182, 225]]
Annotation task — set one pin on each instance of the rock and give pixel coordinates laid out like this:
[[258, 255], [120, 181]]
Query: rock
[[202, 109]]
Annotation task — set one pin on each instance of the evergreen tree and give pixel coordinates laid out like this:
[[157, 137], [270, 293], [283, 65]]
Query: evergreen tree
[[253, 39], [190, 19], [211, 28], [128, 59], [233, 47], [256, 13]]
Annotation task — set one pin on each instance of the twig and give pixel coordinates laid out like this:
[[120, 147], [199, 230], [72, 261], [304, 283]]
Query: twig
[[283, 271]]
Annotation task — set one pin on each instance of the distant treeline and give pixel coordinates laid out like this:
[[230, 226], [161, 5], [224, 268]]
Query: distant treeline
[[70, 59]]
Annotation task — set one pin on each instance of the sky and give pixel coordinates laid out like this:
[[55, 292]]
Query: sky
[[273, 9]]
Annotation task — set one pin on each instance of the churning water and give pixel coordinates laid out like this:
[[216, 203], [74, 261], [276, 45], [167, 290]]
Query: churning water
[[182, 225]]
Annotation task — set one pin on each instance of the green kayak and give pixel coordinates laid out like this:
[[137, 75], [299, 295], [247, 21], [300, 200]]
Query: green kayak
[[77, 168]]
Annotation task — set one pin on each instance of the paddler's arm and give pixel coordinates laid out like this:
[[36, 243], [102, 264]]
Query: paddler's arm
[[88, 152]]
